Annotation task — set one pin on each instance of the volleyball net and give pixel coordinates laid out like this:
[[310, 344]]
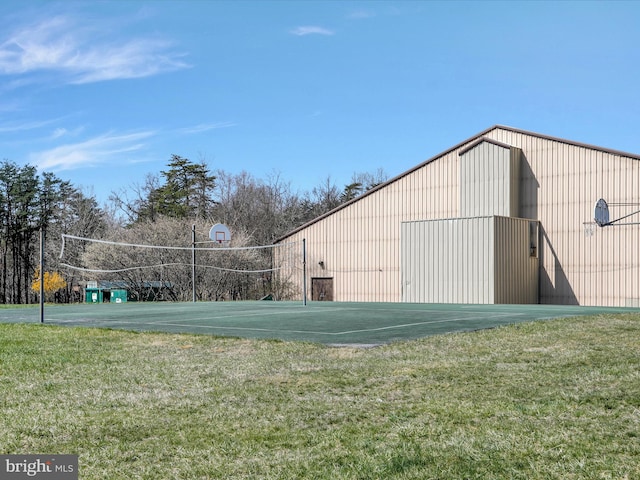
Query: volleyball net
[[203, 270]]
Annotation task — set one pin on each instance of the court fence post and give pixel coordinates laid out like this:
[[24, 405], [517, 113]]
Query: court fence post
[[304, 271], [41, 274], [193, 262]]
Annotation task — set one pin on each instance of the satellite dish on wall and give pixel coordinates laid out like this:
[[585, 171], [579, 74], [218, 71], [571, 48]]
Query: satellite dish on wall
[[601, 213], [220, 233]]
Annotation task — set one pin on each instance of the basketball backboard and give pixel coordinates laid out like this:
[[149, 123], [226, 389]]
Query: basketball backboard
[[220, 233], [601, 213]]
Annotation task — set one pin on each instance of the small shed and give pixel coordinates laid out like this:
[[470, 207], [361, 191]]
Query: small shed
[[105, 292]]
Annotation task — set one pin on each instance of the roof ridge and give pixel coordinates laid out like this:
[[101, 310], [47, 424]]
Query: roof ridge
[[457, 146]]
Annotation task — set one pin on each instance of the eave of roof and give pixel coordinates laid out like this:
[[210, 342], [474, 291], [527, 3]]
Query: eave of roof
[[476, 139], [484, 140]]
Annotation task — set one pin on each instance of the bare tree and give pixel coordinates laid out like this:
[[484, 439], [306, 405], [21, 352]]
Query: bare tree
[[265, 210], [153, 272], [137, 202]]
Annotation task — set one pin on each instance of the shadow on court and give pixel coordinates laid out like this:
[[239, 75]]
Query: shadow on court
[[332, 323]]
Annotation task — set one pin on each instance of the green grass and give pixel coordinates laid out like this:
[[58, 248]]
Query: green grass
[[542, 400]]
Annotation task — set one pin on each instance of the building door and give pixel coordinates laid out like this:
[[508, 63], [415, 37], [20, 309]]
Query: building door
[[322, 289]]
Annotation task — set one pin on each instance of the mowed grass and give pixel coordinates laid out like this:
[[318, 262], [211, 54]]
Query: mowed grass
[[542, 400]]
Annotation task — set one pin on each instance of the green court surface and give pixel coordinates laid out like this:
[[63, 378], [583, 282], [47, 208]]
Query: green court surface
[[333, 323]]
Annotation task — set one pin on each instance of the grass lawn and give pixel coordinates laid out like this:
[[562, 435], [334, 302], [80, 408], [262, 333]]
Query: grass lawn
[[543, 400]]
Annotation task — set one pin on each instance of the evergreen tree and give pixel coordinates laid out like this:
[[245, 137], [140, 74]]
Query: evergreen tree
[[187, 190]]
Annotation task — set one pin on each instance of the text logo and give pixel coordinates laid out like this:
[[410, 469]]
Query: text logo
[[44, 467]]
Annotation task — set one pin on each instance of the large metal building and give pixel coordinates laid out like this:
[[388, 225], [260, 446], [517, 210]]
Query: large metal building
[[503, 217]]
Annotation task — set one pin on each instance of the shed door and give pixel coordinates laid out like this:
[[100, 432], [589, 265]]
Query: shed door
[[322, 289]]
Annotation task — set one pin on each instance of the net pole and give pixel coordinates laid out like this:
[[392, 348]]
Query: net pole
[[193, 263], [304, 271], [41, 275]]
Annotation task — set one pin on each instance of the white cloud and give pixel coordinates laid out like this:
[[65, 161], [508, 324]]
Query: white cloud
[[204, 127], [58, 132], [64, 132], [311, 30], [58, 44], [99, 150], [25, 126]]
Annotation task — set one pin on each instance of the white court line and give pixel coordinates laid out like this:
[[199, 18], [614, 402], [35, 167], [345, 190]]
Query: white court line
[[308, 332], [312, 332], [253, 314], [260, 314], [161, 322], [391, 327]]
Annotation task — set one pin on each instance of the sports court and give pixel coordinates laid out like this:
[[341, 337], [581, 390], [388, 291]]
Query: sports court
[[330, 323]]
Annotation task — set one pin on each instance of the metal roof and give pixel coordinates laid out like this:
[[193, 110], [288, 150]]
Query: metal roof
[[477, 138]]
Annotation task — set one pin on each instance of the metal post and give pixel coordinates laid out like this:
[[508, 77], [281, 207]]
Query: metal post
[[304, 271], [193, 262], [41, 275]]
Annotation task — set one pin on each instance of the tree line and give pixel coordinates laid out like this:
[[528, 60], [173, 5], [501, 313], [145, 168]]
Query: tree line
[[162, 210]]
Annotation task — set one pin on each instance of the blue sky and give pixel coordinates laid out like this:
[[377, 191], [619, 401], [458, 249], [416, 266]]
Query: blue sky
[[104, 92]]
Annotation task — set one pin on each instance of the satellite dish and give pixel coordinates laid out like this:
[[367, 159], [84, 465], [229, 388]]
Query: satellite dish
[[601, 213], [219, 233]]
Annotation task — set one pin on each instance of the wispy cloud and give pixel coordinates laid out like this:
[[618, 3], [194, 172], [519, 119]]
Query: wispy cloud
[[95, 151], [64, 132], [58, 132], [59, 44], [311, 30], [205, 127], [26, 125]]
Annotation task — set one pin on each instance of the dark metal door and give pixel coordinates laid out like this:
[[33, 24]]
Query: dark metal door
[[322, 289]]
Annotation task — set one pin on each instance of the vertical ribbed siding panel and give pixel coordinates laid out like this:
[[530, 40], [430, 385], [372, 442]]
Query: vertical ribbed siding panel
[[420, 293], [331, 259], [624, 238], [611, 187], [515, 160], [441, 265], [589, 274], [597, 250], [559, 186], [598, 270], [612, 272], [480, 232], [475, 268], [489, 181], [434, 236], [548, 191], [632, 290], [516, 271], [500, 259], [488, 261], [576, 237], [407, 252], [564, 289]]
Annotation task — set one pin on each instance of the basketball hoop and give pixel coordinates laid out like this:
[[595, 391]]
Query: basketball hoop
[[602, 217], [601, 213], [220, 234]]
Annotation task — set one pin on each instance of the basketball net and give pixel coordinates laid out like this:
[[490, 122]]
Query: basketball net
[[589, 228]]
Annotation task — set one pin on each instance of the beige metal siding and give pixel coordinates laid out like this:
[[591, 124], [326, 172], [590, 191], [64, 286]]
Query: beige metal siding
[[469, 260], [516, 263], [489, 181], [559, 182], [441, 265], [360, 243]]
